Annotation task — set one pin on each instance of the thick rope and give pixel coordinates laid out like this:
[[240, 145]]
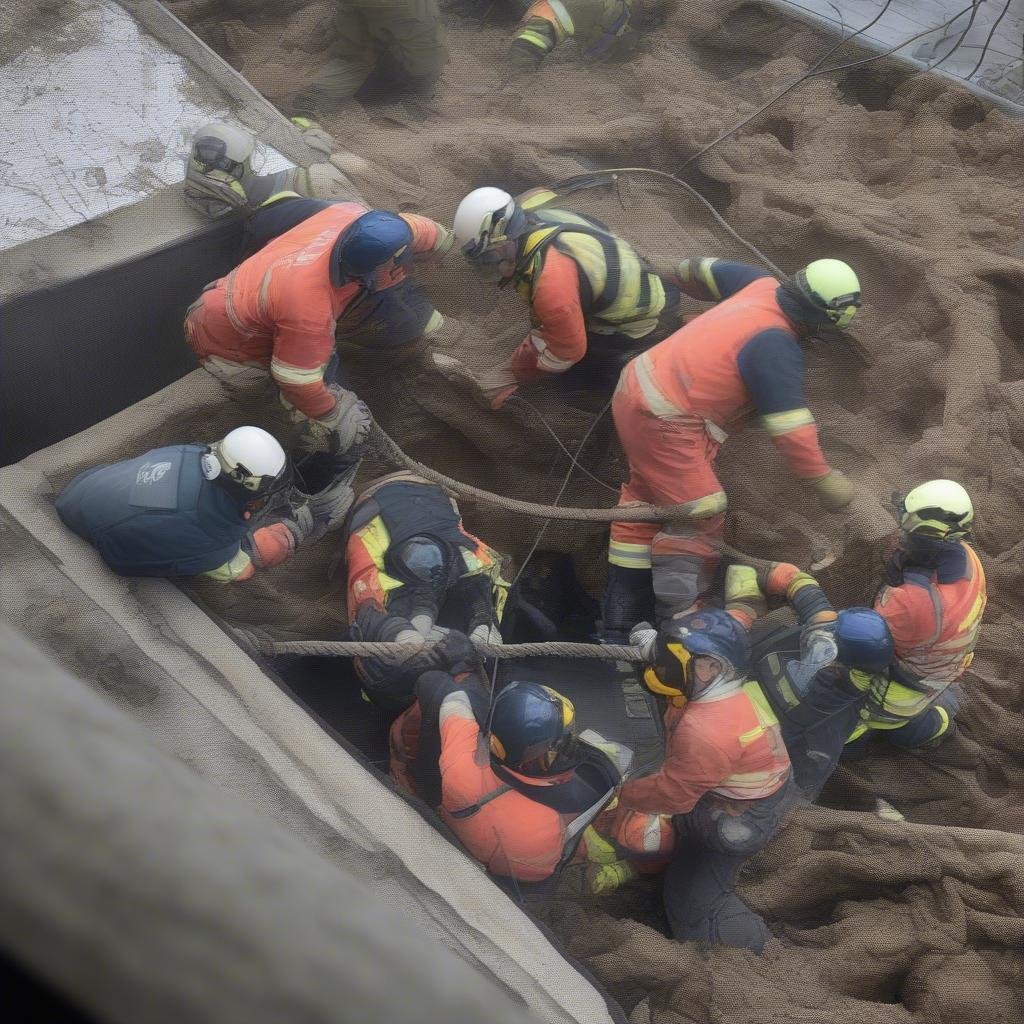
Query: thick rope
[[395, 653], [635, 512]]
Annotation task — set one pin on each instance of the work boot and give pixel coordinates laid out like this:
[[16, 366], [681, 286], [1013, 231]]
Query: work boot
[[628, 599]]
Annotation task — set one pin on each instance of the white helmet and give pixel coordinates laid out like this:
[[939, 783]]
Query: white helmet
[[219, 169], [252, 458], [484, 219], [938, 508]]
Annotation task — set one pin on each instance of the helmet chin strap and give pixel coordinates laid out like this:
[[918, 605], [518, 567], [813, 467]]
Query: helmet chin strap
[[727, 681]]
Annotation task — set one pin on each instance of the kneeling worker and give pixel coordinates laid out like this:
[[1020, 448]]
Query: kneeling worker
[[220, 510], [725, 781], [411, 564], [511, 779]]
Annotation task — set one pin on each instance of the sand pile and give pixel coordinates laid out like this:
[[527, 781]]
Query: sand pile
[[916, 183]]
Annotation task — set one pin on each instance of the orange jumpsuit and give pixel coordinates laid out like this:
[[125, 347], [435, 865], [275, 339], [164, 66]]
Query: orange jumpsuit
[[934, 616], [673, 406], [278, 309], [494, 816]]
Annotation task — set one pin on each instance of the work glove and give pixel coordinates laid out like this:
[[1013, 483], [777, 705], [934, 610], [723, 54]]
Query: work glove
[[445, 241], [644, 636], [330, 506], [345, 427], [605, 878], [490, 389], [835, 490], [599, 850], [486, 633], [455, 654]]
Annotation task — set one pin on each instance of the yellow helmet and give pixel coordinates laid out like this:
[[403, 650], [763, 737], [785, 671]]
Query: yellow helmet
[[832, 287], [938, 508]]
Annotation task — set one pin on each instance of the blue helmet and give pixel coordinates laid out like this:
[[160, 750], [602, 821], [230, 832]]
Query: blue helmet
[[531, 729], [863, 639], [369, 243], [712, 632]]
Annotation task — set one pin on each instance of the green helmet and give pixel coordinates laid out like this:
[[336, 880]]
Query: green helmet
[[832, 287], [938, 508]]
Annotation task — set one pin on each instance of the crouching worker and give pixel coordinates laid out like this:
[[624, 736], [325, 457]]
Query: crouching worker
[[510, 777], [411, 564], [825, 676], [273, 318], [933, 602], [725, 780], [220, 510]]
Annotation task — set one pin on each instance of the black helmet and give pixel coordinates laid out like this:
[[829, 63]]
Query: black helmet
[[532, 729]]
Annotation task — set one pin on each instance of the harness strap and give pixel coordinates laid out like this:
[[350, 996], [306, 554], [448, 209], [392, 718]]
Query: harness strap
[[468, 812]]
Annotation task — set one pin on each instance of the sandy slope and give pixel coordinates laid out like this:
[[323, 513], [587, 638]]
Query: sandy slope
[[918, 185]]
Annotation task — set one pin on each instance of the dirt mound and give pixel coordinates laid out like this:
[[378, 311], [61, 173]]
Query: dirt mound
[[918, 184]]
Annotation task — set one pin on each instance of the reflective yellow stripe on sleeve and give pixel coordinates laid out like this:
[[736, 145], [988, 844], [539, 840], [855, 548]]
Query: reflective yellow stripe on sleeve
[[779, 423]]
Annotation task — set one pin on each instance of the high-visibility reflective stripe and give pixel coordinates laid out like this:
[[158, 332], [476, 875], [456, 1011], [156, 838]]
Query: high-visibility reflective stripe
[[286, 194], [229, 306], [705, 274], [434, 323], [456, 705], [564, 18], [629, 556], [897, 700], [239, 565], [544, 357], [652, 834], [623, 290], [657, 403], [288, 374], [779, 423], [377, 540], [535, 39]]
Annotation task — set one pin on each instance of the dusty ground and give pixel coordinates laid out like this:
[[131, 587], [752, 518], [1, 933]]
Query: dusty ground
[[918, 185]]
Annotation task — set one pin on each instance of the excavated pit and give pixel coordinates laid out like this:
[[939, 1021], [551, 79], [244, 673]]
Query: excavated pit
[[918, 184]]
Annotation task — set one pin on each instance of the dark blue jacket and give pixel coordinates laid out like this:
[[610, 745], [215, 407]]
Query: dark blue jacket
[[156, 515]]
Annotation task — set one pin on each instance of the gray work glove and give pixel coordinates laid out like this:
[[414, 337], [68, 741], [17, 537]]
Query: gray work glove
[[486, 633], [644, 636], [835, 489], [344, 427]]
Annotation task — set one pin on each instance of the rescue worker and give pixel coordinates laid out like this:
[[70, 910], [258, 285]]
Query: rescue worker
[[219, 511], [511, 778], [594, 302], [675, 402], [600, 27], [933, 601], [412, 566], [276, 313], [380, 47], [725, 780], [820, 677], [220, 178]]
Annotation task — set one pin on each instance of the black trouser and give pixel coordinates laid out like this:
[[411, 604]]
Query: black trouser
[[714, 840]]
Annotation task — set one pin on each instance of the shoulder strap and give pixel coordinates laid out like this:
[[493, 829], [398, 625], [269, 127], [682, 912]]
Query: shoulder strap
[[468, 812]]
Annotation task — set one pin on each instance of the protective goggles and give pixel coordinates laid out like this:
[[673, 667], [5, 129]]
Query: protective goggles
[[211, 153], [841, 309], [937, 521]]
